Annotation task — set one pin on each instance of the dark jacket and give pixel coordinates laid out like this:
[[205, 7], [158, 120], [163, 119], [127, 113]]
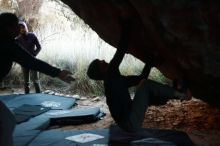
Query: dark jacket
[[11, 52], [30, 43]]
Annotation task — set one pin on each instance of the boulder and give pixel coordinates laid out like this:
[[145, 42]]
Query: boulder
[[181, 36]]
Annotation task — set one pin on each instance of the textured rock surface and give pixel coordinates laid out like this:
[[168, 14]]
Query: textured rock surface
[[182, 36]]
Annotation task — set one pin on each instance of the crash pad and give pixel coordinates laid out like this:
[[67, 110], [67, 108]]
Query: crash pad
[[73, 117], [112, 136], [25, 112], [27, 130], [76, 116], [23, 138], [46, 100]]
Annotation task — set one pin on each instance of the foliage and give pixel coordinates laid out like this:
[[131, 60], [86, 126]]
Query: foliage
[[8, 6], [28, 8]]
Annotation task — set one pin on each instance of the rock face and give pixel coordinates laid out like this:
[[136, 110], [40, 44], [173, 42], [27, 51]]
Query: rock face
[[181, 36]]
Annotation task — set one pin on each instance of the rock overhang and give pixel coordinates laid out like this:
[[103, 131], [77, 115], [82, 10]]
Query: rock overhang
[[182, 36]]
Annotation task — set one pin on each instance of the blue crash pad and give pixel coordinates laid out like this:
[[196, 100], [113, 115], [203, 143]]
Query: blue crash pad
[[57, 137], [39, 122], [42, 121], [149, 137], [28, 130], [6, 98], [77, 116], [23, 138], [53, 101], [115, 137], [26, 111]]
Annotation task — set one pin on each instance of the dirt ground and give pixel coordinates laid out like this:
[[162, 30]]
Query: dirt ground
[[196, 118]]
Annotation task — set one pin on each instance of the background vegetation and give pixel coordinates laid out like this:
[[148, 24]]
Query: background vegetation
[[68, 43]]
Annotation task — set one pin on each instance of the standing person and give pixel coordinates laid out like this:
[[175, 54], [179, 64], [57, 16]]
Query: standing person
[[127, 113], [29, 41], [11, 52]]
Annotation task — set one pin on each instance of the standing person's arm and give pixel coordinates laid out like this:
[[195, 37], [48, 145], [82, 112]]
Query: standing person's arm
[[37, 44], [23, 58]]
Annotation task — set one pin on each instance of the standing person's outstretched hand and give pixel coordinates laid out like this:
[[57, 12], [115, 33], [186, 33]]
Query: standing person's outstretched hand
[[66, 76]]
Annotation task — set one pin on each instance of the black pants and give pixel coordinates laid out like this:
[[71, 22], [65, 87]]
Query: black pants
[[34, 76], [148, 93]]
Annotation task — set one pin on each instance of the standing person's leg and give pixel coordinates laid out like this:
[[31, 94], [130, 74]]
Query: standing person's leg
[[146, 91], [7, 125], [35, 79], [26, 73]]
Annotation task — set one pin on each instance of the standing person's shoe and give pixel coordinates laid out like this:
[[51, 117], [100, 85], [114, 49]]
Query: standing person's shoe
[[26, 89]]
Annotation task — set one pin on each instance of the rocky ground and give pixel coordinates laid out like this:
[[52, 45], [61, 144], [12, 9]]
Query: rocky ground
[[196, 118]]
